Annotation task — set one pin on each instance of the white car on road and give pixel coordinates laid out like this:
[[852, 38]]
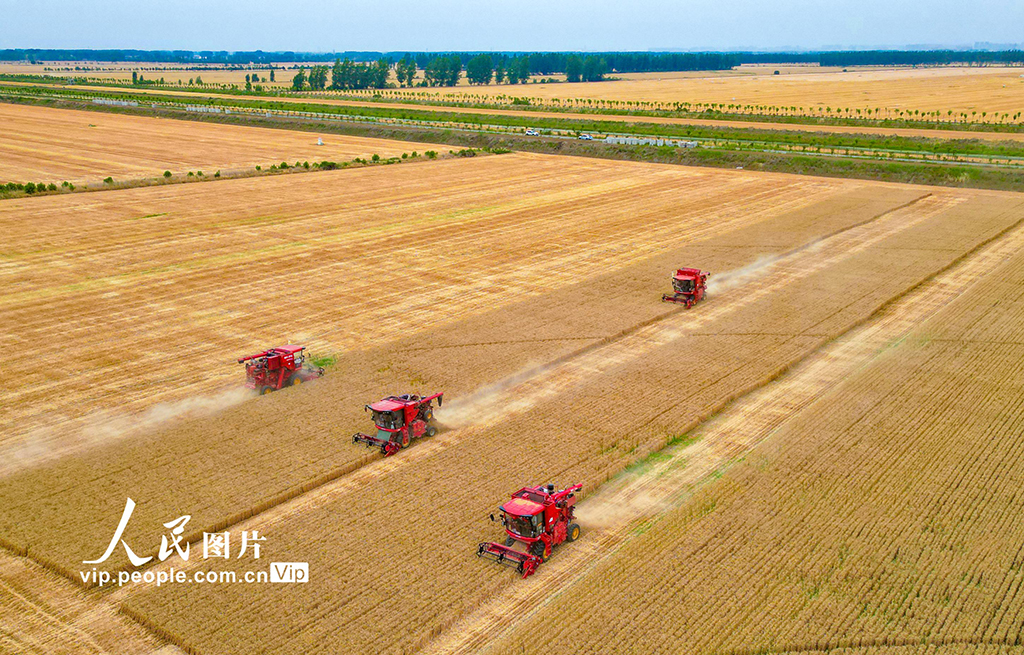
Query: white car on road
[[585, 137], [532, 132]]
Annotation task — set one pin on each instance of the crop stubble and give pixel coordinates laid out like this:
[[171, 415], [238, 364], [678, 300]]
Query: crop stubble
[[336, 261], [623, 506], [884, 513], [42, 144], [300, 437], [987, 89], [584, 432]]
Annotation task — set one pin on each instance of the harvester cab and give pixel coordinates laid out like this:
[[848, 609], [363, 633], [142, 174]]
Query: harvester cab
[[689, 285], [398, 420], [284, 366], [539, 518]]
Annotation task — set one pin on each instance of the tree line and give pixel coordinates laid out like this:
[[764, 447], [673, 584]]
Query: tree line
[[919, 57], [344, 75], [439, 71]]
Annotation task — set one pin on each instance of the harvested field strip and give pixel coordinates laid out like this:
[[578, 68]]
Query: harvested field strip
[[42, 144], [434, 571], [626, 503], [203, 257], [529, 388], [882, 514]]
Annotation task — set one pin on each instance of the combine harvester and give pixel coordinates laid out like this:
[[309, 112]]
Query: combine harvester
[[540, 518], [400, 419], [276, 368], [690, 286]]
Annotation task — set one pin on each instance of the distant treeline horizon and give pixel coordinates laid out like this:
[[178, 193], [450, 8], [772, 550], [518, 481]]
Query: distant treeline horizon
[[541, 63]]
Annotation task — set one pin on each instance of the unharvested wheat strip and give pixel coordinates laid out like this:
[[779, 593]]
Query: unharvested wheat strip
[[738, 429]]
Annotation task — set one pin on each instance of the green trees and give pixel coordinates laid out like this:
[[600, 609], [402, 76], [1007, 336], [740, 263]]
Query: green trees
[[299, 81], [341, 73], [406, 70], [594, 69], [379, 74], [444, 71], [479, 69], [271, 75], [350, 75], [573, 69], [517, 71], [499, 72], [318, 78]]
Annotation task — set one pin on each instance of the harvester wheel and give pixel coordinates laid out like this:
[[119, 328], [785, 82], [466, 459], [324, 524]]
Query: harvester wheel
[[264, 390], [509, 541], [295, 381], [573, 532], [537, 549], [431, 431]]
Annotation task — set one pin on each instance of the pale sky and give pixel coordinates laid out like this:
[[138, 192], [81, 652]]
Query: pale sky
[[394, 25]]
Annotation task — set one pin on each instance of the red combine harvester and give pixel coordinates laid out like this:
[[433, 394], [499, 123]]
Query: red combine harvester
[[400, 419], [540, 518], [279, 367], [690, 286]]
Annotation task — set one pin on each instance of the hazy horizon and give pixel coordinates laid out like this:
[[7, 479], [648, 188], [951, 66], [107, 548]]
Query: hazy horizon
[[530, 25]]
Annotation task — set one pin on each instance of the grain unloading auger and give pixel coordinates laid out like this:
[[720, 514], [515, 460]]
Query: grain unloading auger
[[690, 285], [398, 420], [284, 366], [539, 518]]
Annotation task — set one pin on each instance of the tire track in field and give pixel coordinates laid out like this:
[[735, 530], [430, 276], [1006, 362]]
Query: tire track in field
[[629, 502], [474, 414]]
